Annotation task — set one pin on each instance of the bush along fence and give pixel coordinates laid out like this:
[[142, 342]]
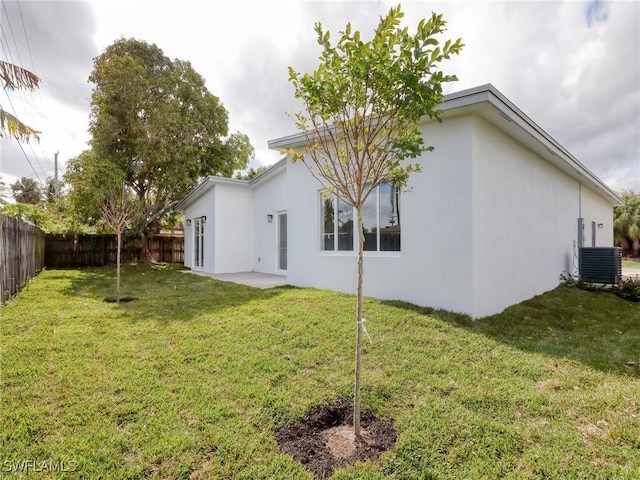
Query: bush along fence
[[22, 254], [88, 250]]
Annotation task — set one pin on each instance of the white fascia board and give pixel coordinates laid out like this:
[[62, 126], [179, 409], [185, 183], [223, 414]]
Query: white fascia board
[[557, 153], [475, 97], [209, 182], [193, 195], [290, 141], [229, 181], [280, 165], [451, 101], [204, 186]]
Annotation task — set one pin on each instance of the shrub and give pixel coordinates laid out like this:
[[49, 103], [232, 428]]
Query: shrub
[[628, 289]]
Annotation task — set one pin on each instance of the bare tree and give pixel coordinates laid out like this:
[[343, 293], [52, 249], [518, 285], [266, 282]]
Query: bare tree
[[120, 211]]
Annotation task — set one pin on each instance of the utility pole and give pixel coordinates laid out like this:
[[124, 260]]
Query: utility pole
[[57, 185]]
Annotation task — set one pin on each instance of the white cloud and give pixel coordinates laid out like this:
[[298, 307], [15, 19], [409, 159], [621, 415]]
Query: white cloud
[[573, 67]]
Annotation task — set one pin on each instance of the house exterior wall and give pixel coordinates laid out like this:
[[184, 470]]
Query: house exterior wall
[[234, 226], [269, 198], [486, 224], [434, 265], [203, 206], [525, 217], [596, 211]]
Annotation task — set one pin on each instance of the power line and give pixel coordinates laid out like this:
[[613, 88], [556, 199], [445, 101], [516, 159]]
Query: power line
[[26, 37], [6, 14], [19, 144], [29, 162], [21, 95], [33, 65], [27, 100]]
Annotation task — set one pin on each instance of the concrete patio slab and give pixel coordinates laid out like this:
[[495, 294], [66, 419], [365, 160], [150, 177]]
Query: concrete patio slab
[[252, 279], [633, 273]]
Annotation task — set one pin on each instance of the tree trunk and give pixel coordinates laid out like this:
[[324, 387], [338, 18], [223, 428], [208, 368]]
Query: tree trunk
[[119, 235], [145, 255], [356, 391]]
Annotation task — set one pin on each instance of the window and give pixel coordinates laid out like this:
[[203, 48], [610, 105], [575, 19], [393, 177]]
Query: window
[[381, 222], [381, 219], [341, 223]]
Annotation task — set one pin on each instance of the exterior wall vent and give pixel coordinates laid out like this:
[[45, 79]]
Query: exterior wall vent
[[601, 265]]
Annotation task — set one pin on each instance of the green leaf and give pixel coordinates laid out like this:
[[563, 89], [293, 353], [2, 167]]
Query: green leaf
[[365, 99]]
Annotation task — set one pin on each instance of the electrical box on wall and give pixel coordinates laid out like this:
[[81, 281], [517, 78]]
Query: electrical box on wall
[[601, 264]]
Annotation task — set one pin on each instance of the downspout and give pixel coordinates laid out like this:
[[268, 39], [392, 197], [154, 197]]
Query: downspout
[[580, 199], [580, 237]]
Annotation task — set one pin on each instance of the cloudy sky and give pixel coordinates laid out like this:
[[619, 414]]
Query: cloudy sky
[[573, 67]]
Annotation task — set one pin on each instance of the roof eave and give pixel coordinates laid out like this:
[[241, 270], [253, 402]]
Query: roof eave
[[488, 93], [512, 113], [204, 186], [269, 172]]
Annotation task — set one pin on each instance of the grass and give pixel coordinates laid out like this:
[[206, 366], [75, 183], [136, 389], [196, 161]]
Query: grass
[[631, 262], [191, 380]]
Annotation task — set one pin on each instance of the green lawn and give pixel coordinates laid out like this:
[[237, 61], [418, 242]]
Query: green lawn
[[191, 380]]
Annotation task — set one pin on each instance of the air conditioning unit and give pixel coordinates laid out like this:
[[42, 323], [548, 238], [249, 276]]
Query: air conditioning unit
[[601, 264]]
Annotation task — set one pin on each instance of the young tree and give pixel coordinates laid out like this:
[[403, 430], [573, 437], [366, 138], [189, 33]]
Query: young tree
[[14, 77], [120, 211], [27, 190], [154, 123], [362, 109]]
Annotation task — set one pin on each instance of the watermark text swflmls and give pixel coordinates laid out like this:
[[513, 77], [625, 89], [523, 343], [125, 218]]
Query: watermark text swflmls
[[30, 465]]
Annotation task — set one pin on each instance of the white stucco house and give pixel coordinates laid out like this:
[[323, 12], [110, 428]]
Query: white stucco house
[[490, 221]]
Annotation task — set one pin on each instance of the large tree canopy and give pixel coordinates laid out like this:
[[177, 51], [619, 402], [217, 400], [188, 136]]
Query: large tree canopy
[[155, 126], [363, 105]]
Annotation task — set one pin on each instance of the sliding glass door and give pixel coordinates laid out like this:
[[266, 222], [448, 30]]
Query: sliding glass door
[[198, 247], [282, 241]]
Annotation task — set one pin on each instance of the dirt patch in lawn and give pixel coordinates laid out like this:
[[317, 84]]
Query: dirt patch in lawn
[[122, 299], [324, 441]]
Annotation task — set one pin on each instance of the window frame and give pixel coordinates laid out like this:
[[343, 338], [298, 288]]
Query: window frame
[[355, 235], [375, 196], [336, 225]]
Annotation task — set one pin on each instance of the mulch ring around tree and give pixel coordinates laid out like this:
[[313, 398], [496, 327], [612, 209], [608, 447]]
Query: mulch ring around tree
[[324, 441]]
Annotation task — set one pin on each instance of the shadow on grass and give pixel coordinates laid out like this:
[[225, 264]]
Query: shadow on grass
[[163, 293], [599, 330]]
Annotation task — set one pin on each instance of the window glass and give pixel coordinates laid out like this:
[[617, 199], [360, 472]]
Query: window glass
[[328, 224], [370, 222], [389, 199], [345, 225], [380, 217]]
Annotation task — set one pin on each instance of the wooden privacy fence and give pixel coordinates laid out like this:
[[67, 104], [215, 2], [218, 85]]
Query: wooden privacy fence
[[22, 248], [88, 250]]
